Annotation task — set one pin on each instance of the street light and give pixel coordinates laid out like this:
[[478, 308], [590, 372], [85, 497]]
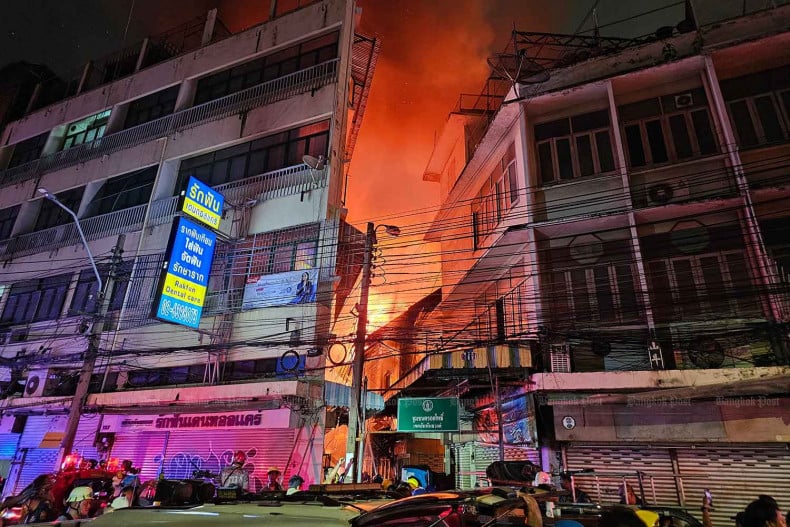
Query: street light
[[53, 199], [83, 384], [353, 448]]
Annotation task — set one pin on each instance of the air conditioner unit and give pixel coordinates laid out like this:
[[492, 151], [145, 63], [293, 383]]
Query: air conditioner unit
[[560, 358], [36, 383], [660, 194], [684, 100]]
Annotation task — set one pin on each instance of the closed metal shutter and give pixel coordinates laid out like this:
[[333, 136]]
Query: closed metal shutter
[[735, 476], [212, 450], [8, 445], [613, 464], [144, 449], [35, 461], [85, 436], [473, 458], [465, 465]]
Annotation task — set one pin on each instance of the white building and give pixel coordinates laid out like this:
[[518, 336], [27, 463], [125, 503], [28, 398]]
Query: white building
[[237, 112], [622, 209]]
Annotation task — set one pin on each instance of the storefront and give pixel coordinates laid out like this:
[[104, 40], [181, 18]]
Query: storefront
[[178, 445]]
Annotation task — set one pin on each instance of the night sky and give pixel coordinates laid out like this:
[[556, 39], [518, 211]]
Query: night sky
[[432, 51]]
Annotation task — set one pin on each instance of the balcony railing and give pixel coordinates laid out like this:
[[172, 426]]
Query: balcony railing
[[275, 184], [245, 100]]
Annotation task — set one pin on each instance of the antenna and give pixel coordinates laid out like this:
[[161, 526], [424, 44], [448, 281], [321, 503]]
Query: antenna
[[315, 164], [518, 69]]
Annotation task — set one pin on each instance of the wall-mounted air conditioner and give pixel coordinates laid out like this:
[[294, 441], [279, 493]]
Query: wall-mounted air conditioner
[[560, 358], [36, 383], [669, 192]]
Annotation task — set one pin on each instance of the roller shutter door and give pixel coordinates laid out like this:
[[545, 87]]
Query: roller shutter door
[[35, 461], [144, 449], [211, 450], [614, 464], [735, 476], [473, 458]]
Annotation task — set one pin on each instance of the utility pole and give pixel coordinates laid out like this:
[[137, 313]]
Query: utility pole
[[357, 366], [97, 327]]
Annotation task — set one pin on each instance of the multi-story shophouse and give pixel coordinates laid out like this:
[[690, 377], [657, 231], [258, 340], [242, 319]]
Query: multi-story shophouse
[[622, 206], [239, 113]]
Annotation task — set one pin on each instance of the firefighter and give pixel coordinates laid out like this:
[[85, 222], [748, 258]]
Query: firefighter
[[235, 475], [273, 479]]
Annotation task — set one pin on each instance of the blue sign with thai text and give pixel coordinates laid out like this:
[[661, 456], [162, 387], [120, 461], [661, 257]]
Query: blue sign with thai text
[[203, 203], [182, 289]]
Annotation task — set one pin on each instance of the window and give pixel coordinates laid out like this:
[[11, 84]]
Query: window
[[276, 252], [758, 106], [151, 107], [36, 300], [279, 64], [497, 195], [28, 150], [86, 130], [668, 129], [86, 291], [123, 192], [574, 147], [249, 369], [691, 286], [51, 215], [256, 157], [591, 285], [7, 220]]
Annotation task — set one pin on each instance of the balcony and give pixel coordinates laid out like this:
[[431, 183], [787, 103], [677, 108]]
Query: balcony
[[270, 185], [263, 94]]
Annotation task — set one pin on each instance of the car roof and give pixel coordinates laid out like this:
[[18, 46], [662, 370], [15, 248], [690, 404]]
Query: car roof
[[267, 513]]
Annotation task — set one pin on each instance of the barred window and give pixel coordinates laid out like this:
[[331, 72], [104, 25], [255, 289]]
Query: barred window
[[497, 195], [292, 249]]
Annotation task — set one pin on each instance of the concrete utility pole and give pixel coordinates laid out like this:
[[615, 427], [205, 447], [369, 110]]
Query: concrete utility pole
[[357, 366], [97, 327]]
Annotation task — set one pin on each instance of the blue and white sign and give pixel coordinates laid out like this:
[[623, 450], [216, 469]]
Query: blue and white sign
[[203, 203], [182, 288]]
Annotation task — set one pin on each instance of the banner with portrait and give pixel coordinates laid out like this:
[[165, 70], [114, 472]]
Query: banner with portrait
[[293, 287]]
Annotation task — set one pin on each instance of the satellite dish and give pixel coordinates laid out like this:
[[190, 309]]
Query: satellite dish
[[518, 69], [316, 163]]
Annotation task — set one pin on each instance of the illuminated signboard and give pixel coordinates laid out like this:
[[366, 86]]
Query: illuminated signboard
[[202, 203], [182, 286]]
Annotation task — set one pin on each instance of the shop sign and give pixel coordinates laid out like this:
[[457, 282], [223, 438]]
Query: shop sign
[[202, 203], [291, 287], [209, 421], [428, 414], [182, 287]]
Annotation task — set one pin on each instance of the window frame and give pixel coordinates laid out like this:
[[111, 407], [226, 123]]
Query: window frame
[[590, 290], [782, 116], [572, 138], [98, 123], [668, 137], [35, 308]]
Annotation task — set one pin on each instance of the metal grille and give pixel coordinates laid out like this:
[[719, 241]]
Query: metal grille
[[614, 465], [212, 450], [144, 449], [141, 287], [734, 476]]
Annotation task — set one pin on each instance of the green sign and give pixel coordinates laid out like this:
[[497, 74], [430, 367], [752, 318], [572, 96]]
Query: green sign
[[428, 414]]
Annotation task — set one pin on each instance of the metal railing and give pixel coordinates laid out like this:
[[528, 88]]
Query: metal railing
[[245, 100], [270, 185]]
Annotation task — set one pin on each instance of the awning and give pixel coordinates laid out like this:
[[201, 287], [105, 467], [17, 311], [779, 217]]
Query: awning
[[336, 394], [484, 359]]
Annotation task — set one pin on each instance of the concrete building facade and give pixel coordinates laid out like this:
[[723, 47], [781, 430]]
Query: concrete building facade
[[240, 113]]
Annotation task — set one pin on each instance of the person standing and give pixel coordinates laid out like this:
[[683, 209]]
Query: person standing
[[764, 512], [566, 483], [273, 479]]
